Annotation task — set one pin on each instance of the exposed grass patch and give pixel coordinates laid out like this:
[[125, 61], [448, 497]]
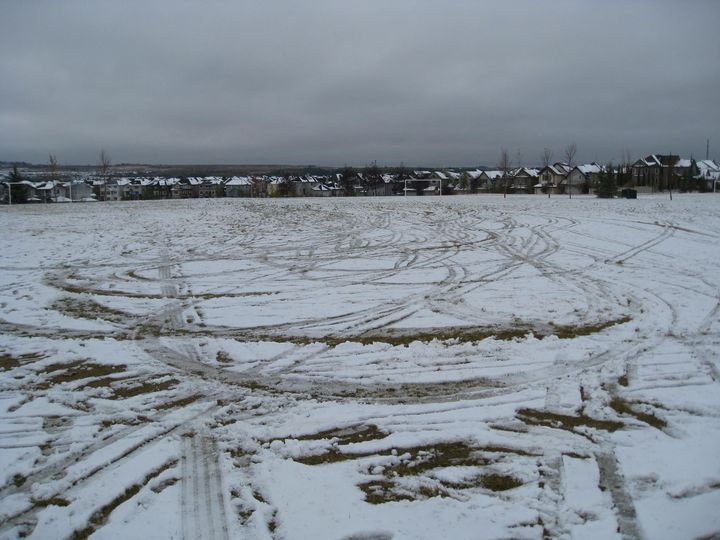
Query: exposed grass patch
[[567, 422], [85, 308], [164, 484], [178, 402], [60, 373], [384, 491], [400, 392], [573, 331], [53, 501], [125, 392], [460, 334], [425, 458], [499, 482], [9, 361], [406, 337], [223, 357], [149, 329], [418, 462], [625, 407], [106, 382], [347, 435], [109, 422], [333, 456]]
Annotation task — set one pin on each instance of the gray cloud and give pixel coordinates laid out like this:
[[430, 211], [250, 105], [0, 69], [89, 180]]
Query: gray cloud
[[333, 82]]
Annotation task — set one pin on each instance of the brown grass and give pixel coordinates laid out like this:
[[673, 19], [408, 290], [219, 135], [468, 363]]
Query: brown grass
[[60, 373], [625, 407], [567, 422]]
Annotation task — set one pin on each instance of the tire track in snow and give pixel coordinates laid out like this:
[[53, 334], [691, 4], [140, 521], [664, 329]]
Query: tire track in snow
[[203, 505]]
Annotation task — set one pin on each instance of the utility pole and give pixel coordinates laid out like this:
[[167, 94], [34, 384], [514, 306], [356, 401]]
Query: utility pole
[[707, 149]]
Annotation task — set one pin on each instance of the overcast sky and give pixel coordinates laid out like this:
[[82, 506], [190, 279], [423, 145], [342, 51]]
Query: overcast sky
[[348, 82]]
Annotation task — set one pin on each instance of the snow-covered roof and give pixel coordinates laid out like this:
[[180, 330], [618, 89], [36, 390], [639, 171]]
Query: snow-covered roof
[[493, 175], [239, 181], [554, 169], [589, 168], [525, 171], [707, 165]]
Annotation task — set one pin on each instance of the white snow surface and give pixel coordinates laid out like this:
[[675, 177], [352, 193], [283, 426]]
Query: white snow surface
[[372, 368]]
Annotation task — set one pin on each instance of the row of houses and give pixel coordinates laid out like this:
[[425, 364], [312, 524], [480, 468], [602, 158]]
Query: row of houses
[[652, 173]]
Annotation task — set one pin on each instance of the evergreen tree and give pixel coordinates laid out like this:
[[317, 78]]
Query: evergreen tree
[[464, 181], [19, 191], [347, 180], [607, 185]]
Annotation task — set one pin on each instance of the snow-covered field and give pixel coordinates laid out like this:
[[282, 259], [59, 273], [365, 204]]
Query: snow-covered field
[[457, 367]]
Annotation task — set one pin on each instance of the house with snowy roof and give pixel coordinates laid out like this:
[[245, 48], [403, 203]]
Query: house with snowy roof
[[657, 172], [708, 172], [523, 180], [490, 180], [549, 178], [238, 186], [581, 179]]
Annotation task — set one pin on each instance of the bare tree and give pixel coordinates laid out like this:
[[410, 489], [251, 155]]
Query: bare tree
[[104, 162], [52, 166], [373, 177], [546, 157], [504, 166], [570, 151], [625, 176]]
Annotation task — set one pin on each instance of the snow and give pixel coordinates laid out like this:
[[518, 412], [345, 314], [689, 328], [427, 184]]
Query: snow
[[455, 367]]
